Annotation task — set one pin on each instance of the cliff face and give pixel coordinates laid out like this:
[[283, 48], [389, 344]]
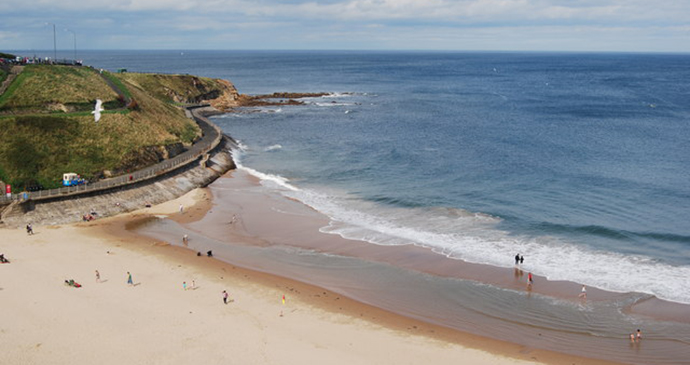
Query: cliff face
[[186, 89], [227, 98]]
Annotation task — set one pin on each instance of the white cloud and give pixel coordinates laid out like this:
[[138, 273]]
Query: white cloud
[[473, 11], [442, 24], [476, 11]]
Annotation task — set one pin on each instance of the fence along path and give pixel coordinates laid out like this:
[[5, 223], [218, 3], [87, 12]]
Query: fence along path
[[211, 137]]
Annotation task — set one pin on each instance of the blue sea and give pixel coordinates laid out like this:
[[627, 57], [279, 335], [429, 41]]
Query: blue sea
[[578, 161]]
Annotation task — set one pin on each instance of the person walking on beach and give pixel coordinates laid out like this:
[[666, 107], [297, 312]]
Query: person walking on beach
[[225, 297], [181, 208], [29, 229], [583, 294], [529, 279], [98, 277], [184, 285], [129, 279]]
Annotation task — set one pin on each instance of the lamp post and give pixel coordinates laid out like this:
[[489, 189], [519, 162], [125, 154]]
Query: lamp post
[[75, 43], [54, 43]]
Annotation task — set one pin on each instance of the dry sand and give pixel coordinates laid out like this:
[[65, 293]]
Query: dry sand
[[44, 321]]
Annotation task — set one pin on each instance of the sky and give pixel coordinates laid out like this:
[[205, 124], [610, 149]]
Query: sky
[[453, 25]]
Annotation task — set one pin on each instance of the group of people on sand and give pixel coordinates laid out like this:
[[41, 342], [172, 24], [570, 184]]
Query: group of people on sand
[[519, 260], [90, 216], [130, 282]]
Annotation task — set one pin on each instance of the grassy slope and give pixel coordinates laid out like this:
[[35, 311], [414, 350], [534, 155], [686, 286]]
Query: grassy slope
[[43, 87], [40, 144]]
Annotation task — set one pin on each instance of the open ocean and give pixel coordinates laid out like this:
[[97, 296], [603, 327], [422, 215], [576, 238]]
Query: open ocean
[[580, 162]]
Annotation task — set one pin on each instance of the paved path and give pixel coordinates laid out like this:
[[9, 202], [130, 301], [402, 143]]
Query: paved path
[[16, 70]]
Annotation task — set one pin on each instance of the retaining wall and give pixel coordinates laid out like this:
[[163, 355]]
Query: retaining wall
[[68, 209]]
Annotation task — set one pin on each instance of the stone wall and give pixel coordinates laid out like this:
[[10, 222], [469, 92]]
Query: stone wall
[[128, 198]]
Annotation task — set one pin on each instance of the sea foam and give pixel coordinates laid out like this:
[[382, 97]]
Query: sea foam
[[475, 237]]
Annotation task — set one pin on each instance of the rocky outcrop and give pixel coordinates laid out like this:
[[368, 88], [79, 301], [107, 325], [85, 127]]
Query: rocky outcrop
[[280, 98], [227, 99], [221, 94]]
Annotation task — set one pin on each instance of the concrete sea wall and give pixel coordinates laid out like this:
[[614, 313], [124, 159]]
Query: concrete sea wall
[[131, 197]]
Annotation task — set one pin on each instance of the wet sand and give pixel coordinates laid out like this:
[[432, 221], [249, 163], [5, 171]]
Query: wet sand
[[266, 221], [156, 321]]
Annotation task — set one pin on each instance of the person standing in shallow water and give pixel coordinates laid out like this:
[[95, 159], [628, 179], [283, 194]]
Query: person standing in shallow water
[[517, 259], [529, 279]]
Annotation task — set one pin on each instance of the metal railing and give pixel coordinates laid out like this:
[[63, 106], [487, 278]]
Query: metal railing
[[211, 137]]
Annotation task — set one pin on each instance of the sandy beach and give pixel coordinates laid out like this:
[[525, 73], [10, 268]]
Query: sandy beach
[[157, 321]]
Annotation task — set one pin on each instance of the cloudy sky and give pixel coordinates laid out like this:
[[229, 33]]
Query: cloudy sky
[[537, 25]]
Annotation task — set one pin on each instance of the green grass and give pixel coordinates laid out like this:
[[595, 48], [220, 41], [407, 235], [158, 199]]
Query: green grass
[[38, 149], [7, 95], [45, 88], [47, 129], [118, 83]]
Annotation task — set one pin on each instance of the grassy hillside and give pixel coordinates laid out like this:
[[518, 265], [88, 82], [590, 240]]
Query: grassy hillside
[[46, 126], [45, 88]]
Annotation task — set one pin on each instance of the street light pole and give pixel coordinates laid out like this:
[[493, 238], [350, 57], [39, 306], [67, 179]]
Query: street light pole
[[54, 43], [75, 43]]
